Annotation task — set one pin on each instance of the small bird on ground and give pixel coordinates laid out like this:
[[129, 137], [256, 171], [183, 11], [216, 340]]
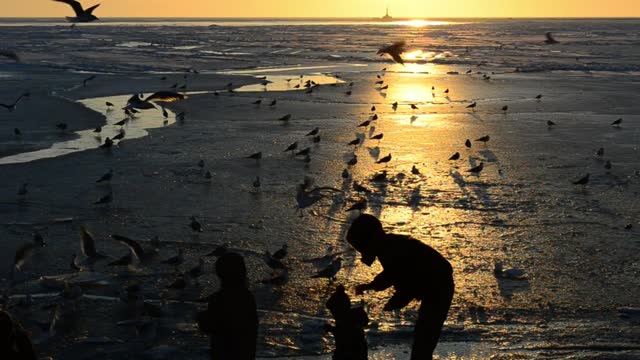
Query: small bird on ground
[[353, 160], [105, 200], [106, 177], [414, 107], [285, 118], [292, 147], [484, 139], [108, 143], [617, 123], [455, 156], [257, 156], [281, 253], [109, 105], [316, 139], [330, 271], [256, 182], [122, 122], [304, 152], [195, 225], [550, 124], [313, 132], [365, 124], [394, 106], [98, 130], [359, 188], [539, 96], [467, 143], [384, 160], [549, 38], [600, 152], [355, 142], [608, 165], [415, 171], [175, 260], [377, 137], [472, 106], [273, 103], [476, 169], [505, 108], [583, 180], [257, 102], [345, 174]]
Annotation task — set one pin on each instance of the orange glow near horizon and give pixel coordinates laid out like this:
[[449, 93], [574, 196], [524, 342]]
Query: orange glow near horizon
[[412, 9]]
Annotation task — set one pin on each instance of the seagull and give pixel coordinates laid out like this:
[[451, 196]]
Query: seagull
[[365, 124], [316, 139], [608, 165], [354, 142], [292, 147], [257, 102], [513, 273], [384, 160], [22, 255], [484, 139], [359, 188], [505, 108], [600, 152], [17, 132], [414, 107], [330, 271], [22, 190], [550, 40], [82, 15], [455, 156], [617, 123], [88, 246], [446, 91], [273, 103], [472, 106], [10, 54], [415, 171], [377, 137], [345, 174], [107, 199], [285, 118], [582, 181], [550, 123], [107, 143], [195, 225], [394, 50], [539, 96], [109, 105], [281, 253], [98, 130], [85, 81], [106, 177], [122, 122], [374, 117], [120, 135], [135, 247], [384, 87], [257, 156], [12, 107], [198, 270], [353, 160], [348, 93], [360, 206], [373, 108], [313, 132], [467, 143], [476, 169], [175, 260], [256, 182], [136, 102], [394, 106], [304, 152]]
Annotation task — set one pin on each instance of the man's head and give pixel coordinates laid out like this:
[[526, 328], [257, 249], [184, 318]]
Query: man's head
[[231, 270], [365, 235]]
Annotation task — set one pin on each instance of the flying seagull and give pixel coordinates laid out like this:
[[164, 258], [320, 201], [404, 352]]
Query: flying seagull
[[394, 50], [11, 107], [82, 15]]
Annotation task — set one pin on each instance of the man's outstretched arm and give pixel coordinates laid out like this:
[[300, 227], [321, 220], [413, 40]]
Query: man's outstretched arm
[[381, 282]]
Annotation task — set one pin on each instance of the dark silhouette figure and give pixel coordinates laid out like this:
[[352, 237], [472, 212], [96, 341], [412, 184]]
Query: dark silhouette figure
[[349, 328], [14, 341], [231, 318], [415, 270]]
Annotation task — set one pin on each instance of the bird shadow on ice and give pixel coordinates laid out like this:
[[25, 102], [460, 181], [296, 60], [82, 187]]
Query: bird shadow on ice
[[475, 116], [415, 198], [374, 152]]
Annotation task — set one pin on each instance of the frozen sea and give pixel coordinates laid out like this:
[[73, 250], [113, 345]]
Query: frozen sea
[[578, 245]]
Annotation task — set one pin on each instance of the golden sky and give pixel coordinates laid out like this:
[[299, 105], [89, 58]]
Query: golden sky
[[332, 8]]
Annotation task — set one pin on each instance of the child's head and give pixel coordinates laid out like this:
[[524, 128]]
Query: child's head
[[231, 270], [339, 303]]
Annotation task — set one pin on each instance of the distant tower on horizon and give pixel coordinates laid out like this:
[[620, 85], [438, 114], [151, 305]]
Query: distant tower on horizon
[[387, 17]]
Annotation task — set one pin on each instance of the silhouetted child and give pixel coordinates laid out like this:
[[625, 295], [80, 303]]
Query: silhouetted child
[[351, 343], [14, 341], [415, 270], [231, 318]]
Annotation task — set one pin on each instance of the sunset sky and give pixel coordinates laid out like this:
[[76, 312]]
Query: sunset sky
[[332, 8]]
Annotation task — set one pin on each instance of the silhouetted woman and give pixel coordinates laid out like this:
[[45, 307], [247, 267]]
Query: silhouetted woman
[[14, 341], [231, 319]]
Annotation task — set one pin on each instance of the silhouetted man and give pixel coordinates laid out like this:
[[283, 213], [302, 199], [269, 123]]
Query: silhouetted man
[[415, 270], [231, 318]]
